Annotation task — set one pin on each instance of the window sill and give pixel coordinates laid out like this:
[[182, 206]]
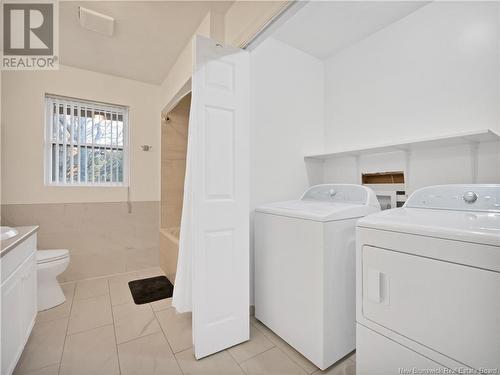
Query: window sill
[[87, 185]]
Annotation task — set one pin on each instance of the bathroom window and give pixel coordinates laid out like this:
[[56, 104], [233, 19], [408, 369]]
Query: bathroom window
[[86, 142]]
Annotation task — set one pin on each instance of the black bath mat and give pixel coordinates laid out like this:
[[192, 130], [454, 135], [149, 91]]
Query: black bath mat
[[150, 289]]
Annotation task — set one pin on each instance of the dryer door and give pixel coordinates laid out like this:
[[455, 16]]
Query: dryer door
[[450, 308]]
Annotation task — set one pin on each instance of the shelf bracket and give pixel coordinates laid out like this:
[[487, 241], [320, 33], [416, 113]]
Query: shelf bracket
[[358, 170], [474, 159], [407, 161]]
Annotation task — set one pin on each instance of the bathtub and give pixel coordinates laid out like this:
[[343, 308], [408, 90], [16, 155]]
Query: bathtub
[[169, 250]]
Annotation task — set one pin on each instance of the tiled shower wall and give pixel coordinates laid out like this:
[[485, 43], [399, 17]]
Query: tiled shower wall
[[174, 137], [103, 238]]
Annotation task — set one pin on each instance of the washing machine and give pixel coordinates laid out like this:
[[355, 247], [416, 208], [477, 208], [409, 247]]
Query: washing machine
[[428, 284], [305, 269]]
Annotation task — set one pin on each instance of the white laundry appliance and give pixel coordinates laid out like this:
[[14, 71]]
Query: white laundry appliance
[[428, 284], [305, 269]]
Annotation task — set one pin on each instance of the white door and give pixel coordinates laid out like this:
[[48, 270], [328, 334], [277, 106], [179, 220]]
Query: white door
[[220, 196]]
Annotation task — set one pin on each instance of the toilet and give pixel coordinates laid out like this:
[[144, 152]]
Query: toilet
[[50, 264]]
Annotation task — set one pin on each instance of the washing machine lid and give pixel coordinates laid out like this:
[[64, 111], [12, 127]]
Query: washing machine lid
[[469, 213], [327, 202]]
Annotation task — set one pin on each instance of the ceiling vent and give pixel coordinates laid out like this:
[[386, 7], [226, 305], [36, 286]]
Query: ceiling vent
[[100, 23]]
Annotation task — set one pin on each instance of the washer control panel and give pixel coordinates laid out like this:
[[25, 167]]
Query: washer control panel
[[341, 193]]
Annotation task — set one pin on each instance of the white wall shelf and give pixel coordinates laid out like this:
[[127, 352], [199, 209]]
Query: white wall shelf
[[472, 138]]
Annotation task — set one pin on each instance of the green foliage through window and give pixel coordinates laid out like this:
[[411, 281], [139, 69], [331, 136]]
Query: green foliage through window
[[87, 142]]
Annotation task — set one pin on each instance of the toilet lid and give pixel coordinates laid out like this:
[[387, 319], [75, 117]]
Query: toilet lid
[[44, 256]]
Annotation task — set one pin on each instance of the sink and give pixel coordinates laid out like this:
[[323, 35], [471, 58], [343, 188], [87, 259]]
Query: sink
[[7, 232]]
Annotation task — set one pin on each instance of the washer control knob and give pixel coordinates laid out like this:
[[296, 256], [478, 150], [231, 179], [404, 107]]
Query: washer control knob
[[470, 197], [332, 193]]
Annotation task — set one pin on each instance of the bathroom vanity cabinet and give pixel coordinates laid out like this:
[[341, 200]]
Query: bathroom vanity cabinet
[[18, 294]]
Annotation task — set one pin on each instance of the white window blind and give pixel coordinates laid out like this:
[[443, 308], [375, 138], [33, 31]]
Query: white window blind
[[86, 142]]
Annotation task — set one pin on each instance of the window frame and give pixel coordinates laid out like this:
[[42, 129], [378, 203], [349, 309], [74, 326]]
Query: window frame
[[48, 141]]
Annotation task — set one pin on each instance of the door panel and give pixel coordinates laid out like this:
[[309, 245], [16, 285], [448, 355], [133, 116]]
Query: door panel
[[12, 323], [220, 197], [219, 153], [29, 284]]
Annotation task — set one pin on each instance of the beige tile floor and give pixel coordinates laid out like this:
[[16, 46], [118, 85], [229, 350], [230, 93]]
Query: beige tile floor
[[99, 330]]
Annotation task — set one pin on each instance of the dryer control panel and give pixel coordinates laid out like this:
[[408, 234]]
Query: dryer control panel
[[473, 197]]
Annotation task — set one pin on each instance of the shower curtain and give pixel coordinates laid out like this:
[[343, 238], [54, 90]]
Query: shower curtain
[[182, 297]]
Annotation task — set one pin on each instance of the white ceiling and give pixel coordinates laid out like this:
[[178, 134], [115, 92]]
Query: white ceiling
[[148, 37], [324, 28]]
